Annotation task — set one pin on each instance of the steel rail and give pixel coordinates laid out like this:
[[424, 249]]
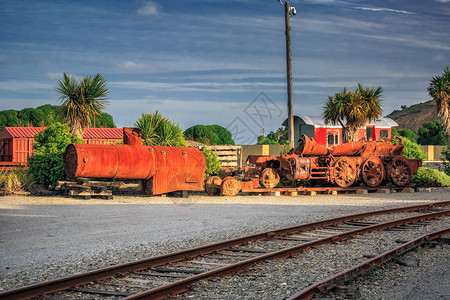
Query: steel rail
[[47, 287], [353, 272], [182, 285]]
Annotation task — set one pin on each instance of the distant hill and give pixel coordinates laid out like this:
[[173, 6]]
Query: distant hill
[[414, 116]]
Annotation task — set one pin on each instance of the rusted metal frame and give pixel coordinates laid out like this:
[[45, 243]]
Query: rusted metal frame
[[108, 272], [351, 273], [182, 285]]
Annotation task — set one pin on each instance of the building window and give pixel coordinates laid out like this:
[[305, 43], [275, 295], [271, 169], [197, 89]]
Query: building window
[[369, 133], [330, 139], [384, 134], [333, 138]]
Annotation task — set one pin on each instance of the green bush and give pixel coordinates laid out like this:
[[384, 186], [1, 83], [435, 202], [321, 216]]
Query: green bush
[[46, 163], [446, 157], [410, 149], [212, 162], [209, 134], [16, 180], [431, 177]]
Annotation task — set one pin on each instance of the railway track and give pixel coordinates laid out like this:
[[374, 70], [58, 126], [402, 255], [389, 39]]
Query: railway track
[[345, 276], [162, 276]]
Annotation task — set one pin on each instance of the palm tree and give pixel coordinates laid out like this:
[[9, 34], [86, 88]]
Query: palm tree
[[353, 109], [156, 129], [81, 100], [439, 89]]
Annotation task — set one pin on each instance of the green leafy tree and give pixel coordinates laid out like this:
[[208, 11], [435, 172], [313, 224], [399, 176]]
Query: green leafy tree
[[51, 114], [212, 162], [157, 130], [353, 109], [279, 137], [8, 118], [46, 163], [432, 133], [408, 133], [81, 100], [209, 134], [104, 120], [439, 90]]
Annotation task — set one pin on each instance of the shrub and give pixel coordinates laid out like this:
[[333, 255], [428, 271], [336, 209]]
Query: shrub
[[410, 149], [209, 134], [157, 130], [446, 157], [16, 180], [212, 162], [47, 164], [446, 154], [431, 177]]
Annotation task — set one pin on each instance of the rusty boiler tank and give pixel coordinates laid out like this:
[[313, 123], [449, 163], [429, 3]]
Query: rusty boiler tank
[[162, 169]]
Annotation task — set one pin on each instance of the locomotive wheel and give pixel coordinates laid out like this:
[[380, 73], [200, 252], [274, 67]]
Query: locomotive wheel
[[269, 178], [344, 172], [230, 186], [399, 171], [373, 171], [213, 185]]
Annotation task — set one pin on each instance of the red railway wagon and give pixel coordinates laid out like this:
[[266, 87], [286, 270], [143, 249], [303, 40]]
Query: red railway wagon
[[16, 143]]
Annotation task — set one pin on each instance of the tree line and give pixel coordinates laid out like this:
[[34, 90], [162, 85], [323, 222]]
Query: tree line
[[43, 116]]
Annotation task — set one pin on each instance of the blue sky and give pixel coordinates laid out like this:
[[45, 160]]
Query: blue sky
[[221, 62]]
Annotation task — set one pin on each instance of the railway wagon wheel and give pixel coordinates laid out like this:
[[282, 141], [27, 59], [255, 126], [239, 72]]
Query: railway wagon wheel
[[230, 186], [269, 178], [213, 185], [373, 171], [344, 172], [399, 171]]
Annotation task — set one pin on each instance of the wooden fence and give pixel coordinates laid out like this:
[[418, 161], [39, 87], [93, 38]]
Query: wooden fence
[[229, 156]]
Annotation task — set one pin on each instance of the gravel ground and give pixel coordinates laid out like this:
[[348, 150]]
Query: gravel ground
[[44, 238]]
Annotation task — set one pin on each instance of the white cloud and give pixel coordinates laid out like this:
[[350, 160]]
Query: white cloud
[[130, 65], [376, 9], [149, 9]]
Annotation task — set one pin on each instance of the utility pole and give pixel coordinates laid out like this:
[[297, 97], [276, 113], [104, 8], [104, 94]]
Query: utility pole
[[287, 17]]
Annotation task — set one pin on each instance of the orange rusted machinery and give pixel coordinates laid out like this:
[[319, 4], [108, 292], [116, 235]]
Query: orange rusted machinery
[[343, 165], [162, 169]]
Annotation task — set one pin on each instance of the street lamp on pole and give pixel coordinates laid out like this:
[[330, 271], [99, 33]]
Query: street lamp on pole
[[288, 11]]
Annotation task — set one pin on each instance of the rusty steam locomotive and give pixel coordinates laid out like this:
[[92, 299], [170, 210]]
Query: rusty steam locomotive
[[342, 165]]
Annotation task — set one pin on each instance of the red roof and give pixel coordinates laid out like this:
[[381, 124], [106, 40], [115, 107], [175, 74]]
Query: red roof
[[89, 133], [21, 132], [103, 133]]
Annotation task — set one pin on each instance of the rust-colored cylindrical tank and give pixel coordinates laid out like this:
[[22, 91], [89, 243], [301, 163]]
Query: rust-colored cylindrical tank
[[163, 169], [308, 146], [348, 149]]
